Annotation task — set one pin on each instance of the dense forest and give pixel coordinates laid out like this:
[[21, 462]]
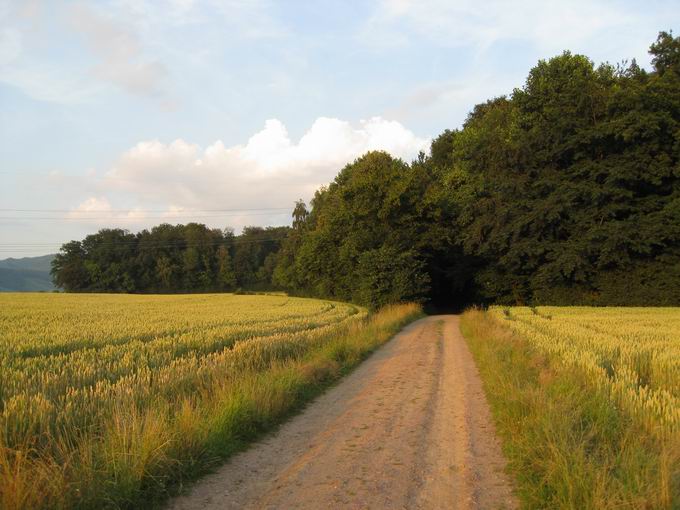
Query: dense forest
[[566, 191], [169, 258]]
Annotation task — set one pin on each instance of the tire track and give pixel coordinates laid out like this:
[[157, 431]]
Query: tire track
[[409, 428]]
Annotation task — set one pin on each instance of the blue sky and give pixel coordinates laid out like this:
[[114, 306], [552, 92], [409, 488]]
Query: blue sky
[[130, 112]]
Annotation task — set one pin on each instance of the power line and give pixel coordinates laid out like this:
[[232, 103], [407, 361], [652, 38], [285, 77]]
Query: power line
[[154, 244], [6, 248], [147, 210], [140, 245], [135, 218]]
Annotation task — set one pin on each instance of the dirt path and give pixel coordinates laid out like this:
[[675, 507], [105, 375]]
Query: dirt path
[[410, 428]]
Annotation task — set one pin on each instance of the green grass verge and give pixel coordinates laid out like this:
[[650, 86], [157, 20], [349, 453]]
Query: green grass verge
[[567, 444], [146, 455]]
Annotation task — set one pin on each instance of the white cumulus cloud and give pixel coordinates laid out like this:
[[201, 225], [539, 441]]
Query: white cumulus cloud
[[253, 183], [93, 204], [269, 170], [98, 210]]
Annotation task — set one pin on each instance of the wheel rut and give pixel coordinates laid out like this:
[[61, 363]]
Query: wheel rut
[[409, 428]]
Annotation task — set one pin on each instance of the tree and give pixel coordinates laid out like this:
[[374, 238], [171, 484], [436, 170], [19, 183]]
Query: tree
[[110, 260], [666, 53], [68, 268], [166, 272], [566, 191], [386, 275], [574, 184], [226, 277], [251, 250], [300, 215], [168, 258], [376, 207]]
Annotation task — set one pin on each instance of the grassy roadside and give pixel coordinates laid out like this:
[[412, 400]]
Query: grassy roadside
[[146, 454], [568, 445]]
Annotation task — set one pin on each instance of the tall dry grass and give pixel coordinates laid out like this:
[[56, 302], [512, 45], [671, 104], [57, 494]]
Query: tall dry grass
[[568, 441]]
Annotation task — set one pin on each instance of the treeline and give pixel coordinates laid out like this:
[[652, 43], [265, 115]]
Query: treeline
[[169, 258], [566, 191]]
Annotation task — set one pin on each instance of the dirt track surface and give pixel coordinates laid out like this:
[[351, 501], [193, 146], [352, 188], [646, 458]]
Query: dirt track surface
[[410, 428]]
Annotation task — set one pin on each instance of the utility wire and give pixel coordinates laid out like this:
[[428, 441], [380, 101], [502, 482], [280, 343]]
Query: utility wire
[[135, 218], [235, 240], [148, 210], [141, 246]]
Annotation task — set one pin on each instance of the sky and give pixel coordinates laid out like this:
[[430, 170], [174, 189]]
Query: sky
[[129, 113]]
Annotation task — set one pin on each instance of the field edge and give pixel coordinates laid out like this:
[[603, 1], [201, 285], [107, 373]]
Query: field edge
[[567, 443], [149, 455], [285, 389]]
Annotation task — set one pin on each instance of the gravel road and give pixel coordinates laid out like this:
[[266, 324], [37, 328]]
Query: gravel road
[[410, 428]]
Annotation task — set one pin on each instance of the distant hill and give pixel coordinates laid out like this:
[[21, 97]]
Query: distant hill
[[27, 274]]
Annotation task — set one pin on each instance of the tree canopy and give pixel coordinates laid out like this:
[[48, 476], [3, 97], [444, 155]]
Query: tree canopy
[[169, 258], [565, 191], [577, 187]]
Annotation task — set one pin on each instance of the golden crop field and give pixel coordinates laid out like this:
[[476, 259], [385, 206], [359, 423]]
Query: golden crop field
[[586, 402], [68, 361], [105, 398], [631, 353]]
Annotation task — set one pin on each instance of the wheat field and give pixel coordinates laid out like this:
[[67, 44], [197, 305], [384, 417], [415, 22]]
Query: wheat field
[[69, 361], [632, 353], [106, 399], [586, 401]]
